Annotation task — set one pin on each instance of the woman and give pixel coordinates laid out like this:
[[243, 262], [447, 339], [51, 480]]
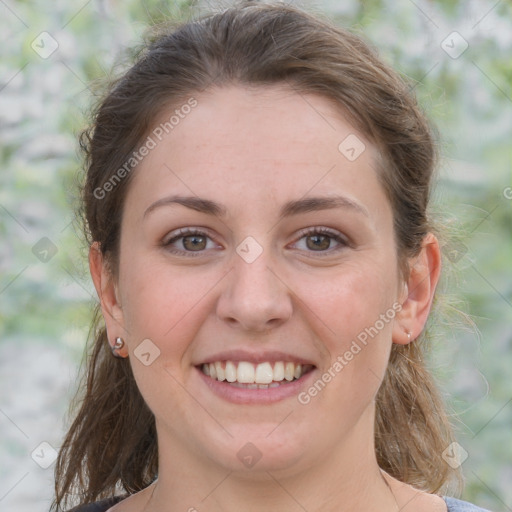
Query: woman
[[256, 205]]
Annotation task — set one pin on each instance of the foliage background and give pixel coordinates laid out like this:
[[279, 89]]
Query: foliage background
[[46, 299]]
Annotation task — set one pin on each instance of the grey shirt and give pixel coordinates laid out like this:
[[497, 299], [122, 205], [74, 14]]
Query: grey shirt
[[455, 505]]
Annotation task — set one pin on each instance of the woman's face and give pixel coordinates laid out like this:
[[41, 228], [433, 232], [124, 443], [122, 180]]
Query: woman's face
[[256, 237]]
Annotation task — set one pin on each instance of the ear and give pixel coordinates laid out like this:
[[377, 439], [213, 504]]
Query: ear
[[108, 296], [419, 291]]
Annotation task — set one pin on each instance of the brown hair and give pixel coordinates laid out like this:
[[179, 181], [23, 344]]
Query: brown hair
[[112, 443]]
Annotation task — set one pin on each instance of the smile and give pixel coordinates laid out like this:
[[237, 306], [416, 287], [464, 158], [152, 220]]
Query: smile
[[255, 376]]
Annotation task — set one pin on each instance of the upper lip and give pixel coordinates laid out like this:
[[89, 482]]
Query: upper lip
[[255, 357]]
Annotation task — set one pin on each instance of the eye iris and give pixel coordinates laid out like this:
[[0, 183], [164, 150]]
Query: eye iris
[[318, 242], [194, 242]]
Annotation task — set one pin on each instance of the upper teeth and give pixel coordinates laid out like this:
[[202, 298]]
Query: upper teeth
[[248, 373]]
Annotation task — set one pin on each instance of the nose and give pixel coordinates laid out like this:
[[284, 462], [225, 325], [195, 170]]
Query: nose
[[254, 298]]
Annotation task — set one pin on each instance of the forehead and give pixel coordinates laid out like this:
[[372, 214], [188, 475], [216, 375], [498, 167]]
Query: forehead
[[259, 144]]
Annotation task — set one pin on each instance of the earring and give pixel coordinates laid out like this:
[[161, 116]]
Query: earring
[[409, 335], [118, 344]]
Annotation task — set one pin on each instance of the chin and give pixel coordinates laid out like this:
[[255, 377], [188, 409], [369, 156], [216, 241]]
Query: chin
[[256, 450]]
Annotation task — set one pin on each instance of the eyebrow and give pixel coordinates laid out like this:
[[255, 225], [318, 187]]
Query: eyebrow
[[296, 207]]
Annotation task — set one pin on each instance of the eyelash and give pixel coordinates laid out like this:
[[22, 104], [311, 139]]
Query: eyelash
[[185, 232]]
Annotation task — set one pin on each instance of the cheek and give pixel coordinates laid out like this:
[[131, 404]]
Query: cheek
[[165, 304], [350, 300], [353, 316]]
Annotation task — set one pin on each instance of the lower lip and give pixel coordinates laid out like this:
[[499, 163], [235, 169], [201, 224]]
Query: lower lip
[[256, 396]]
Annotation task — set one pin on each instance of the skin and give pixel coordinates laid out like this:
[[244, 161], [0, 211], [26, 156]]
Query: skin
[[252, 150]]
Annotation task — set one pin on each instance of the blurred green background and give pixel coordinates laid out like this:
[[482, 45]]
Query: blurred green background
[[49, 81]]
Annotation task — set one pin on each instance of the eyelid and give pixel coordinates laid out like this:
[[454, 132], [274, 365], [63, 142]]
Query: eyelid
[[188, 231], [321, 229]]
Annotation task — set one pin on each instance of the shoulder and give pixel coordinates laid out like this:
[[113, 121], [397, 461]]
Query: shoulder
[[99, 506], [455, 505]]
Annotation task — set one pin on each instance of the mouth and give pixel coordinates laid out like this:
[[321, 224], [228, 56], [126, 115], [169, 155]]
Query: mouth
[[247, 375]]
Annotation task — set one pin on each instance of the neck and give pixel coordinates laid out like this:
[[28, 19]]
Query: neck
[[229, 494], [345, 479]]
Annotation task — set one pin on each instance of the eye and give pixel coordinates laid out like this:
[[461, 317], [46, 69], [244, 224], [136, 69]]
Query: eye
[[189, 240], [321, 240]]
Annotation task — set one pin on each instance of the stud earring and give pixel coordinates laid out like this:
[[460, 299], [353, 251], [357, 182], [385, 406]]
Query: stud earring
[[409, 335], [118, 344]]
